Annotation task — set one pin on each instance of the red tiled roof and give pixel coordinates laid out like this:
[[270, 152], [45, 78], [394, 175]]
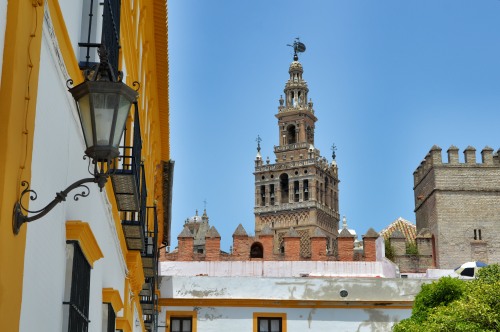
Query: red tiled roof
[[404, 226]]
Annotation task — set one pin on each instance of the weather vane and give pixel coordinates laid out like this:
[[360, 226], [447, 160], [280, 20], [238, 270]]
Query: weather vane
[[258, 140], [205, 203], [333, 148], [298, 47]]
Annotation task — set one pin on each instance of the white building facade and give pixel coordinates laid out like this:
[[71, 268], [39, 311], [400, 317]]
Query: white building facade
[[81, 254]]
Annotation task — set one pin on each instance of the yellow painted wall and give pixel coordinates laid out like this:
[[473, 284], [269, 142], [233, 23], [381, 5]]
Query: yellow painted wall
[[18, 96]]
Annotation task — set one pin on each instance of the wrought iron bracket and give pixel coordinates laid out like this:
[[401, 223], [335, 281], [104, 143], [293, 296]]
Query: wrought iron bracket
[[19, 218]]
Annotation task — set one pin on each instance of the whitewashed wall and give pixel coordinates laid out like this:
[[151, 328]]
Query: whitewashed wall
[[216, 319], [355, 312], [384, 268], [57, 162]]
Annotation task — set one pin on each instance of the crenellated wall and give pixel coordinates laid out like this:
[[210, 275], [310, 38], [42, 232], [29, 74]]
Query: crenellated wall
[[459, 202], [262, 247]]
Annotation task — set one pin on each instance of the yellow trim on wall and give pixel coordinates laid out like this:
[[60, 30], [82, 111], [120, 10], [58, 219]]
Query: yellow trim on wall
[[123, 324], [64, 42], [18, 97], [257, 315], [110, 295], [183, 314], [135, 271], [77, 230], [264, 303]]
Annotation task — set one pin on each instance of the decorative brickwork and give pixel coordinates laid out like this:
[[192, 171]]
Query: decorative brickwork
[[300, 189], [305, 243]]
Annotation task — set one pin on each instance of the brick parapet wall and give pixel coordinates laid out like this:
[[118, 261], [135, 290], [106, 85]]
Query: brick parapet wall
[[370, 249], [185, 251], [241, 247], [292, 248], [318, 248], [346, 248]]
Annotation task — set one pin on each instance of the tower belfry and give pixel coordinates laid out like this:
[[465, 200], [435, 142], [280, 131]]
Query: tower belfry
[[300, 189]]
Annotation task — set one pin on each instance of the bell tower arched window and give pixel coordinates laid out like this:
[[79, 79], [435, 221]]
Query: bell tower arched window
[[291, 135], [284, 187]]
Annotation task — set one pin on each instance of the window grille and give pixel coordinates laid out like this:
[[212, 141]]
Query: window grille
[[110, 32], [78, 304]]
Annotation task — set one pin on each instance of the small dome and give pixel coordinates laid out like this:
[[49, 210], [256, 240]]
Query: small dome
[[195, 218], [258, 156], [295, 66]]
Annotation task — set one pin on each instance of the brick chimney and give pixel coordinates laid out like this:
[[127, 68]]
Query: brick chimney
[[345, 242], [292, 245], [241, 245], [369, 246], [212, 245], [185, 246], [318, 245]]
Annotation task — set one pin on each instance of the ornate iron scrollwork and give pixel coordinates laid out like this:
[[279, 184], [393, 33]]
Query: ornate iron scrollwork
[[20, 217]]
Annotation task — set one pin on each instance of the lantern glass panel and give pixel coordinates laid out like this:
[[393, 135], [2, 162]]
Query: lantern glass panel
[[86, 119], [121, 119], [104, 110]]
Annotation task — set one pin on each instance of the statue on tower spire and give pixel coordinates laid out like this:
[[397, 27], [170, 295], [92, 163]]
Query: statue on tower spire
[[298, 47]]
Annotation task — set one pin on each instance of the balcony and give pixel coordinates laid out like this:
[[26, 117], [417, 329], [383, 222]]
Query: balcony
[[148, 297], [135, 225], [126, 176]]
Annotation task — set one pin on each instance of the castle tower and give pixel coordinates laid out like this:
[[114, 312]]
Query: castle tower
[[300, 189], [459, 204]]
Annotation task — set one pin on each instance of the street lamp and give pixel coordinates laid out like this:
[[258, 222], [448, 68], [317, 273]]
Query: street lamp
[[103, 102]]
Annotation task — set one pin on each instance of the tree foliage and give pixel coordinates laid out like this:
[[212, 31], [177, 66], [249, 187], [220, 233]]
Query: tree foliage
[[457, 305]]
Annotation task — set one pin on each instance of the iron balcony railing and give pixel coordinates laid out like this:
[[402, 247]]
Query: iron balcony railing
[[110, 34], [148, 297], [134, 227], [126, 177]]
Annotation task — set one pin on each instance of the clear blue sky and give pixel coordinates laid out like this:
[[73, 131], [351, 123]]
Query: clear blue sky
[[389, 79]]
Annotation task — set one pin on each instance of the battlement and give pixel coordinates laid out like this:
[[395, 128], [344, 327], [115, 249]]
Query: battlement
[[434, 159]]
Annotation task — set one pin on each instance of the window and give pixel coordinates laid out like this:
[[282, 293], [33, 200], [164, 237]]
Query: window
[[111, 304], [262, 195], [108, 317], [100, 24], [77, 290], [269, 322], [477, 234], [284, 188], [306, 189], [181, 321], [181, 324]]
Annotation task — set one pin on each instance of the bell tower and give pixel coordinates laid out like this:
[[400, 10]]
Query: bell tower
[[300, 189]]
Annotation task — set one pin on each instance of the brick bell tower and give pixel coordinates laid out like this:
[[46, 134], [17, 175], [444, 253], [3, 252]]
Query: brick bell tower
[[300, 189]]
